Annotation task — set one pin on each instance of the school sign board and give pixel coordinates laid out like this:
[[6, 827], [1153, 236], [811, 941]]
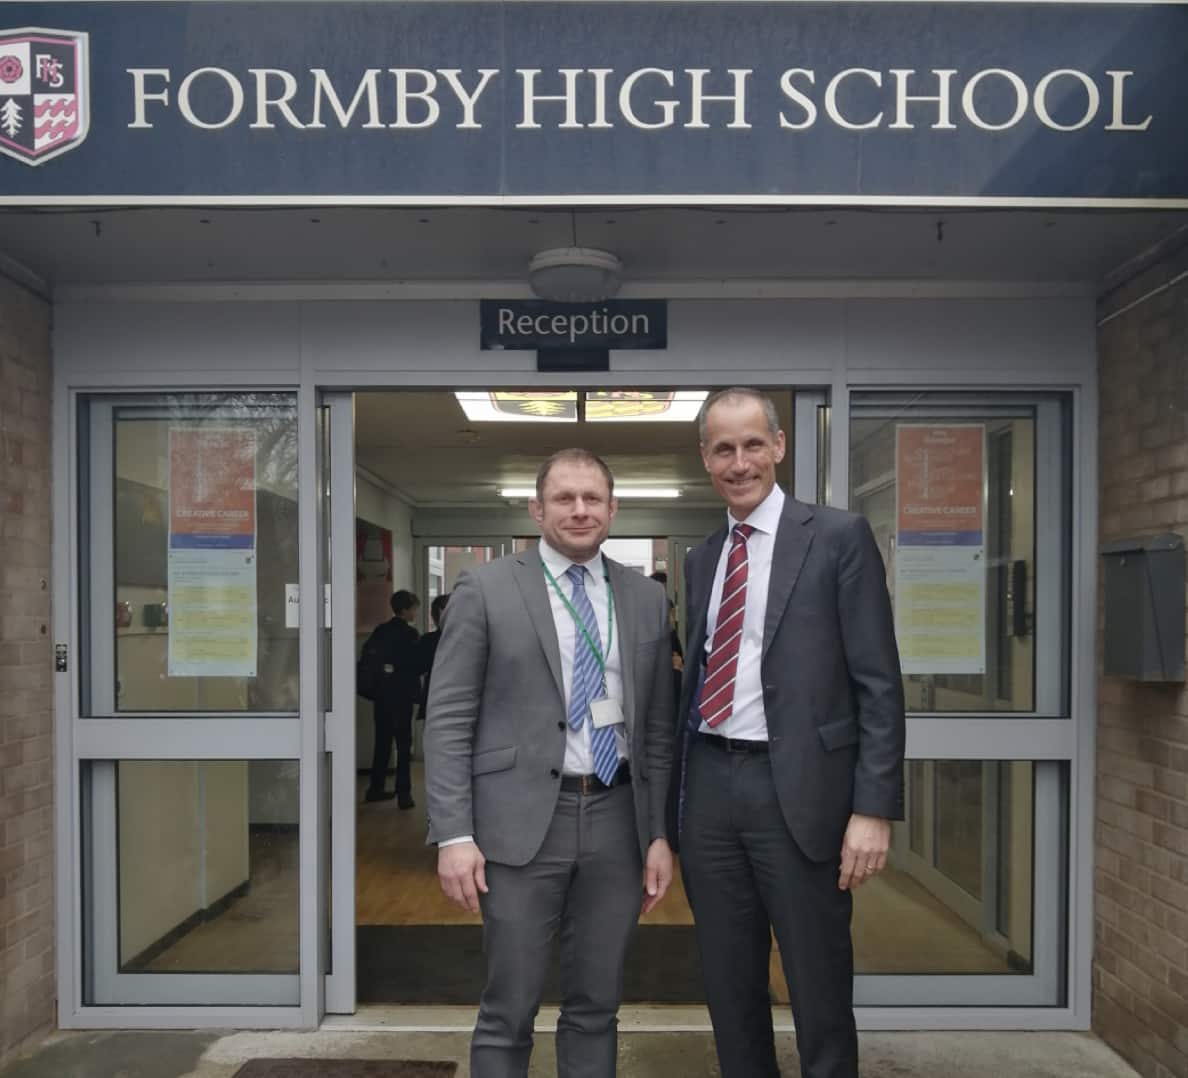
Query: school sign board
[[491, 102]]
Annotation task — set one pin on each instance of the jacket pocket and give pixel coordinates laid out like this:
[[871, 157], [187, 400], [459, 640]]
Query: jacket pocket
[[484, 763], [837, 735]]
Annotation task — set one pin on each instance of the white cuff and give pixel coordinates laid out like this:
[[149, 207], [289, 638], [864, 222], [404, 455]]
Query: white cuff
[[455, 841]]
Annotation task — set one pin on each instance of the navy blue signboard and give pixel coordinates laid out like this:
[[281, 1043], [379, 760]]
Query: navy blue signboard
[[573, 327], [489, 102]]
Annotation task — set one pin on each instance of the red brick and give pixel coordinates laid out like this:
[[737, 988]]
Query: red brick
[[1140, 980]]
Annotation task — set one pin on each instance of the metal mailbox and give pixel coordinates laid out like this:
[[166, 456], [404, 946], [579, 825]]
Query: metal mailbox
[[1144, 608]]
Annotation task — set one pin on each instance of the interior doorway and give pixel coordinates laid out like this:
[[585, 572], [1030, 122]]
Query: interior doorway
[[438, 491], [442, 486]]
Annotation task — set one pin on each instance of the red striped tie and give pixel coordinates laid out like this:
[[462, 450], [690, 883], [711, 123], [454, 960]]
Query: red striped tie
[[717, 692]]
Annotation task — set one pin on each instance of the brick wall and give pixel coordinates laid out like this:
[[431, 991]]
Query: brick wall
[[1140, 974], [26, 717]]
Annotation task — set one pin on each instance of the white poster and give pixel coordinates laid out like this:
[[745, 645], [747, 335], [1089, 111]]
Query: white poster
[[940, 550]]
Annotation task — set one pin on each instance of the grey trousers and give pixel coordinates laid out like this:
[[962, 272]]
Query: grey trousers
[[586, 884]]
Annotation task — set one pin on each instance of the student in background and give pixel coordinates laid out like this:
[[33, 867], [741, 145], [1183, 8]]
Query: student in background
[[427, 648], [390, 675]]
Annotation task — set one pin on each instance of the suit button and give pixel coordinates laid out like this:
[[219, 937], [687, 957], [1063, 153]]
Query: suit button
[[554, 772], [560, 726]]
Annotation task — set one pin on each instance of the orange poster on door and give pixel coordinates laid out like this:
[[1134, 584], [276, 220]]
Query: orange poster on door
[[212, 488], [940, 484]]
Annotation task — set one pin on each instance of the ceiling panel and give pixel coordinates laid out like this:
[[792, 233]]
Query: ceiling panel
[[378, 244], [422, 445]]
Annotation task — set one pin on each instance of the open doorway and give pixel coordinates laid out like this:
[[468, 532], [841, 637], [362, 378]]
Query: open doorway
[[439, 491]]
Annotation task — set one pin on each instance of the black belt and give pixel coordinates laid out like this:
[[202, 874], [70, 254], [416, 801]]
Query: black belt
[[731, 744], [592, 784]]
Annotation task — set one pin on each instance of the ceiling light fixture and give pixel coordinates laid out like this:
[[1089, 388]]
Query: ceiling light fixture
[[575, 274], [511, 406], [620, 492], [644, 406]]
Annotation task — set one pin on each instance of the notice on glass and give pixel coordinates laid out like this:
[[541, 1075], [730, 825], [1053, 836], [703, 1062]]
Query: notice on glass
[[940, 555], [212, 552]]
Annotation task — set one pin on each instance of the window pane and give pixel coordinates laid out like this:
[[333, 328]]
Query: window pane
[[205, 875], [941, 906], [205, 554], [950, 493]]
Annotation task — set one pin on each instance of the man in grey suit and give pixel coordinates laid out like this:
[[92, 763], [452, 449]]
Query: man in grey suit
[[791, 743], [547, 751]]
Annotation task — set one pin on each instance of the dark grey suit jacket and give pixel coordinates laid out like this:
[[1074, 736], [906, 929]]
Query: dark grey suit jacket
[[495, 728], [832, 688]]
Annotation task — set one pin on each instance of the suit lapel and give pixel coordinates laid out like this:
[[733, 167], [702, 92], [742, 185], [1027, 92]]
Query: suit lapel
[[626, 632], [529, 576], [792, 542]]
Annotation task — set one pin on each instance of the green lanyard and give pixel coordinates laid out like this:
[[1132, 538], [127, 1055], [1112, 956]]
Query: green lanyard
[[581, 625]]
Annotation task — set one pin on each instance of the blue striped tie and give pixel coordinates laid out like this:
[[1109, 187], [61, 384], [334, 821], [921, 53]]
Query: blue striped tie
[[589, 682]]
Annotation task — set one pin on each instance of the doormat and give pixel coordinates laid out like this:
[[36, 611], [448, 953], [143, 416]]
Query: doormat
[[345, 1068], [445, 964]]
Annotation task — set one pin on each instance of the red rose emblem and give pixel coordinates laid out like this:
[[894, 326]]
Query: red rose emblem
[[10, 68]]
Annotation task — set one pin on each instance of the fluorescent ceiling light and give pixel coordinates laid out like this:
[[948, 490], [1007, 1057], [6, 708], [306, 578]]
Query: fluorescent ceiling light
[[510, 406], [644, 406], [600, 406], [620, 492]]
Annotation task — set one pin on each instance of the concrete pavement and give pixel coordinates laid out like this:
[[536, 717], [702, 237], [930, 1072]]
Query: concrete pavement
[[641, 1055]]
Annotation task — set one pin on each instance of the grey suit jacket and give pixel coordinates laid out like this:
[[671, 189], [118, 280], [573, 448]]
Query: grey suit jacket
[[832, 687], [495, 728]]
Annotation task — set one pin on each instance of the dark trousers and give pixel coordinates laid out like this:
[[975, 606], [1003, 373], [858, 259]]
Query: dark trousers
[[585, 884], [393, 721], [745, 875]]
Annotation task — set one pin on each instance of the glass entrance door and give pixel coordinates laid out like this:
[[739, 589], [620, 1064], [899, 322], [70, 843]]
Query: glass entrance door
[[195, 711], [967, 497]]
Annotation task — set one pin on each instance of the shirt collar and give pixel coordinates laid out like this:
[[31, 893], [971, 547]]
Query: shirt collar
[[765, 517], [559, 563]]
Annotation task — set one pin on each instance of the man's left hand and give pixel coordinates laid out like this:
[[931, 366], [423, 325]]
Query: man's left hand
[[864, 850], [657, 874]]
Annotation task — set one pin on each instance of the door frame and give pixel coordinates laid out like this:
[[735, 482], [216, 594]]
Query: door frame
[[1070, 740]]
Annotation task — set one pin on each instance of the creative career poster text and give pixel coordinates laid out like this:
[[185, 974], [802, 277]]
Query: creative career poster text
[[940, 556], [212, 552]]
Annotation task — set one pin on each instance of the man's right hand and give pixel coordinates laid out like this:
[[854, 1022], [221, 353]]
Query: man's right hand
[[461, 873]]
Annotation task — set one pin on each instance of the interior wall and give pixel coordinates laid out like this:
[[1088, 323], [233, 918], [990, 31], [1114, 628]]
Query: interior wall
[[183, 843], [380, 505]]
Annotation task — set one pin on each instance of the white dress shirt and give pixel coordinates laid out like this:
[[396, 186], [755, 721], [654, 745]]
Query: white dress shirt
[[579, 757], [748, 720]]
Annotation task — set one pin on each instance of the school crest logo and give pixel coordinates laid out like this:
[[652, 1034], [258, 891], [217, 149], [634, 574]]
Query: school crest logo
[[45, 106]]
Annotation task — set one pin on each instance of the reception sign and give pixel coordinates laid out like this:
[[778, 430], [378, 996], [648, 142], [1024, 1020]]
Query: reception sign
[[212, 553], [940, 550], [486, 102]]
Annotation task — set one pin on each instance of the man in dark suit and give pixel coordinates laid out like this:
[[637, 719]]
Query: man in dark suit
[[548, 745], [791, 747], [396, 694]]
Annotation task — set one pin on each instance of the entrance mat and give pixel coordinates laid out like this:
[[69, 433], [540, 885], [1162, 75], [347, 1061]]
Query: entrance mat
[[445, 964], [344, 1068]]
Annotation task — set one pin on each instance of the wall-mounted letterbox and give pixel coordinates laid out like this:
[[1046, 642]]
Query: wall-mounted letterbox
[[1144, 608]]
